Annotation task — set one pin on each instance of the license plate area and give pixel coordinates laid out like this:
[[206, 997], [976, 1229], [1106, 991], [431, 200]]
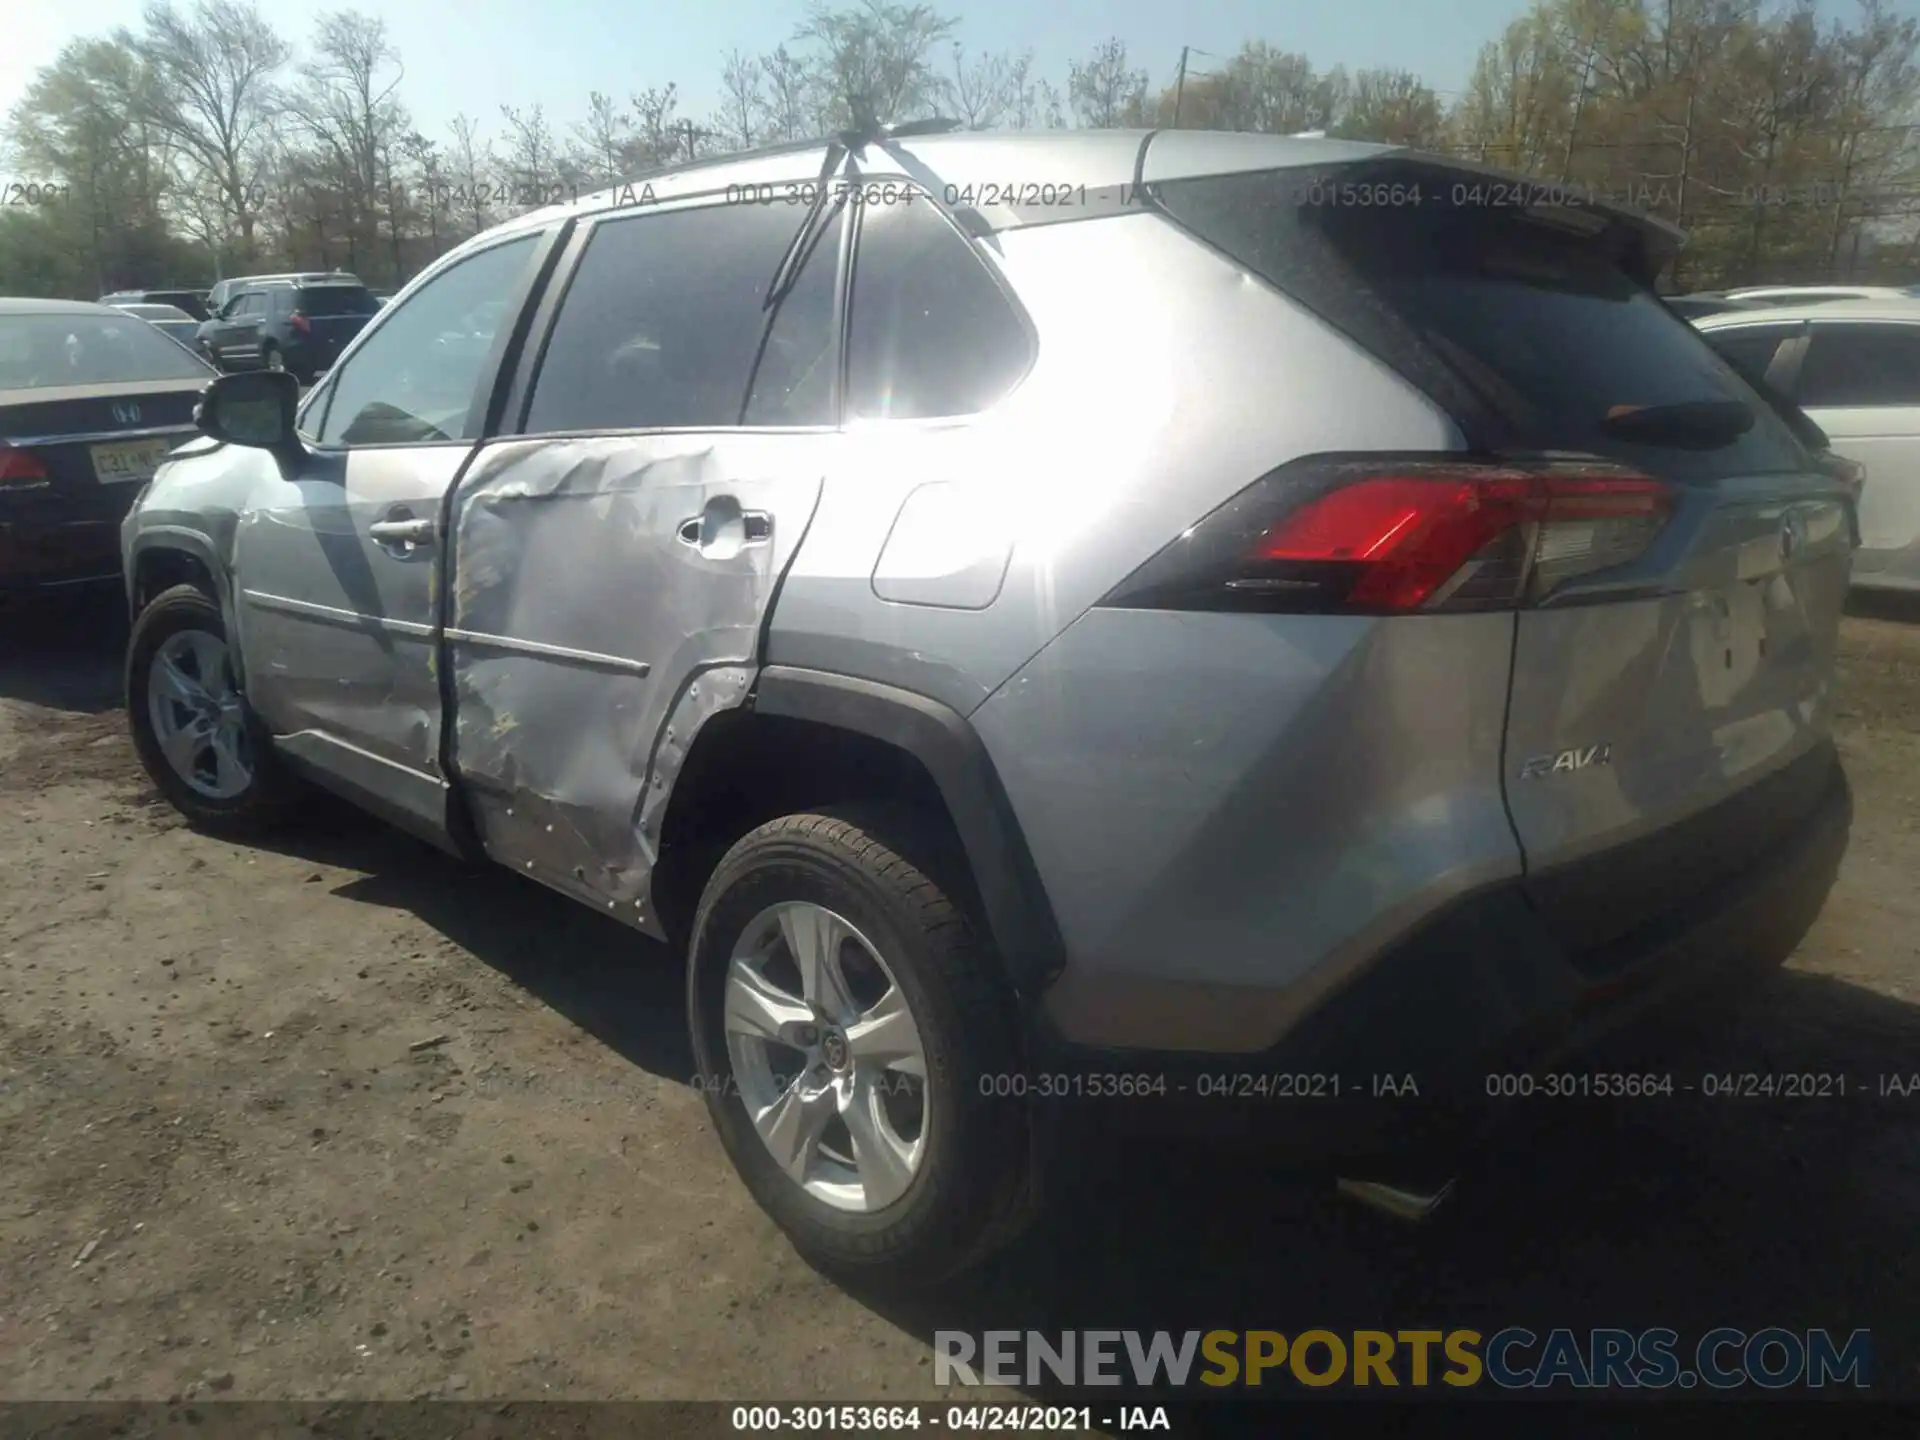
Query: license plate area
[[122, 461]]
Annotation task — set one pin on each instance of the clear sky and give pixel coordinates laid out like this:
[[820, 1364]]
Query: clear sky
[[475, 55]]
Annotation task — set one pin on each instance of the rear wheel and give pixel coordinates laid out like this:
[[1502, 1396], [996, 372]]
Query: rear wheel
[[201, 745], [847, 1022]]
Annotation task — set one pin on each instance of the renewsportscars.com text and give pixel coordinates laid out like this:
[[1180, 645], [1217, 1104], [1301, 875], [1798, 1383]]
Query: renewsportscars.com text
[[1515, 1358]]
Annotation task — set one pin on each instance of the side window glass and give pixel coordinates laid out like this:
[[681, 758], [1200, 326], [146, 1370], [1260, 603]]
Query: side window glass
[[1861, 365], [930, 332], [1749, 350], [795, 381], [413, 378], [662, 321]]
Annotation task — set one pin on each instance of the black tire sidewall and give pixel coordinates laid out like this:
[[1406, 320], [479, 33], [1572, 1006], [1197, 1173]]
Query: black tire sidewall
[[934, 1227], [187, 608]]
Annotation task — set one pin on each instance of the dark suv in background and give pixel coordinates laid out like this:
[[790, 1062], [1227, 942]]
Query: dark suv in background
[[298, 326]]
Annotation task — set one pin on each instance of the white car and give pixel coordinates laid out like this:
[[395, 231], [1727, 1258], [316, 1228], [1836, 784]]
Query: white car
[[1854, 367], [1816, 294]]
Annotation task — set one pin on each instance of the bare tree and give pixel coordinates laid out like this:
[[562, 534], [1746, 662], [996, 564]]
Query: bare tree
[[423, 155], [532, 160], [470, 168], [1026, 94], [215, 96], [657, 134], [1392, 107], [983, 90], [877, 56], [743, 99], [1104, 87], [602, 138], [348, 105], [791, 111]]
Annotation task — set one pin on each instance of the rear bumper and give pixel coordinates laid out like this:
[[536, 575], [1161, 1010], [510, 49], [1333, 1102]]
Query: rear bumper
[[1409, 1052], [38, 555]]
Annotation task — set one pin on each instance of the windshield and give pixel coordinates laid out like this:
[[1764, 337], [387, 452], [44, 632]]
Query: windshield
[[40, 352], [156, 312]]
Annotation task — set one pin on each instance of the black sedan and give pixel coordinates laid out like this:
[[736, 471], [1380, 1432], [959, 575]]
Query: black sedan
[[91, 401]]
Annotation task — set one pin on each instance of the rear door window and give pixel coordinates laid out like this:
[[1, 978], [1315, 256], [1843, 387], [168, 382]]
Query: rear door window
[[662, 321], [1751, 349], [1870, 365], [931, 332], [1535, 328], [331, 300], [798, 371]]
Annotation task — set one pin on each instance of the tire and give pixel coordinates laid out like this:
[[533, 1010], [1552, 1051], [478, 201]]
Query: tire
[[969, 1192], [268, 792]]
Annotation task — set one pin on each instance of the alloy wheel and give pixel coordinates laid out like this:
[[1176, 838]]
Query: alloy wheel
[[827, 1058], [198, 716]]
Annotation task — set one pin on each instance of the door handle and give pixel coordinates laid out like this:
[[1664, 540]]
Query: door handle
[[755, 525], [407, 533]]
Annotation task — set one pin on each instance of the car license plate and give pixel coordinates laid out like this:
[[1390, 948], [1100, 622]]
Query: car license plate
[[129, 459]]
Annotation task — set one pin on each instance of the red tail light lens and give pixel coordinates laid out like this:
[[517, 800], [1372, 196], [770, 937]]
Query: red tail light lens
[[1397, 535], [20, 467], [299, 322]]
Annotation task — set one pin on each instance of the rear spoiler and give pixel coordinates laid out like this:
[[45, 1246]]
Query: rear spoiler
[[1645, 244]]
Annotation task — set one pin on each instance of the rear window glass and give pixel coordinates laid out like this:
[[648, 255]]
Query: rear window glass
[[39, 352], [1531, 328], [336, 300]]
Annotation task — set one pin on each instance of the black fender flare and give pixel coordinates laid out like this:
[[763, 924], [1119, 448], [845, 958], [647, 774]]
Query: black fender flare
[[1012, 897], [185, 541]]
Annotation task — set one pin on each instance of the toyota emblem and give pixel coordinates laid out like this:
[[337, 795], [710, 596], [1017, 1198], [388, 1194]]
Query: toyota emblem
[[126, 414]]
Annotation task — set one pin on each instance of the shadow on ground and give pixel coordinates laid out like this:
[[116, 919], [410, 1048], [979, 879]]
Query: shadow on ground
[[1681, 1211], [64, 649]]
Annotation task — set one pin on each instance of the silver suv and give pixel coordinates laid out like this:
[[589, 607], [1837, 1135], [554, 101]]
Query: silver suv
[[1173, 617]]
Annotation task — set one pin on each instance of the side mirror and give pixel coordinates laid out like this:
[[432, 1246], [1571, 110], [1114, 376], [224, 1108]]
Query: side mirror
[[254, 408]]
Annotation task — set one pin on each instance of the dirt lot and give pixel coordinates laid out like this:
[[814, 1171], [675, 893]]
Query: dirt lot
[[227, 1172]]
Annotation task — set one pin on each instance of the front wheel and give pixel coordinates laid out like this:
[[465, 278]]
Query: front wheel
[[849, 1026], [201, 745]]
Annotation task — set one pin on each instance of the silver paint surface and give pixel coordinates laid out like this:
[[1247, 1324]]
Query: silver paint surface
[[1247, 808], [1136, 420], [608, 638], [1721, 677], [338, 630]]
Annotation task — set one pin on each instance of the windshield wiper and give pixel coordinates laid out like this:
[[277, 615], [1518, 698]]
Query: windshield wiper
[[867, 130], [1689, 425]]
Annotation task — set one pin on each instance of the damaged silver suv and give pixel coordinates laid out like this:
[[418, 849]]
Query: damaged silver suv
[[1166, 618]]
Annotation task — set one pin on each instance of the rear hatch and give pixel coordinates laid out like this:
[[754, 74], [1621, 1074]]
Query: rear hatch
[[1674, 557], [332, 315]]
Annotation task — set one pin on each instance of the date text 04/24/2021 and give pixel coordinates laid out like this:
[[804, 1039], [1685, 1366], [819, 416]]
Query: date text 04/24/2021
[[960, 1419]]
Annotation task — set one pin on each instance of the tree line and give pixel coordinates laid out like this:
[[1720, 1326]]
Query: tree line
[[203, 142]]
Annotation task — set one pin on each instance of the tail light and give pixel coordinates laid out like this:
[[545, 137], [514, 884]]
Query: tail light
[[300, 323], [21, 468], [1395, 535]]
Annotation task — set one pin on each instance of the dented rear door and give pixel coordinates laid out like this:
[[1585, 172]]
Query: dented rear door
[[608, 595], [613, 563]]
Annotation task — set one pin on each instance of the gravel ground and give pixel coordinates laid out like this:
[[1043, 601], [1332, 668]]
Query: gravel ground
[[231, 1168]]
